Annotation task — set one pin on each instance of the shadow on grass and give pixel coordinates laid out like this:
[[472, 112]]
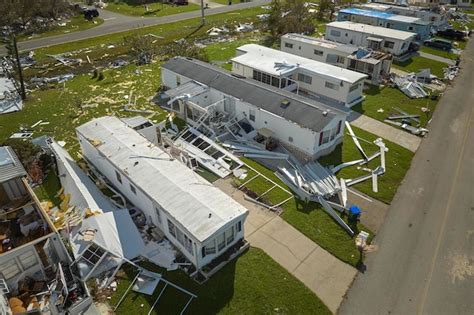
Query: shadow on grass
[[405, 63], [213, 295]]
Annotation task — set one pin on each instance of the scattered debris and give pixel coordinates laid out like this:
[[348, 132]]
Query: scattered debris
[[418, 131], [409, 85], [118, 63], [66, 60], [245, 27], [450, 72], [57, 79], [10, 99], [215, 31]]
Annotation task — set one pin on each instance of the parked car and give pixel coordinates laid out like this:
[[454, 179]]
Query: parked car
[[89, 14], [437, 43], [452, 33]]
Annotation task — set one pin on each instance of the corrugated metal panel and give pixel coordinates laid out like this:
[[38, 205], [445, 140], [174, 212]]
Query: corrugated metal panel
[[10, 165]]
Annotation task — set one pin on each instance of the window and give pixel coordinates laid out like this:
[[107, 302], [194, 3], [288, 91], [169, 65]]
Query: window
[[404, 45], [410, 28], [324, 137], [335, 33], [290, 139], [93, 254], [132, 188], [252, 115], [339, 126], [171, 228], [229, 235], [158, 214], [340, 59], [221, 242], [188, 244], [318, 52], [10, 269], [28, 259], [180, 236], [209, 249], [388, 44], [354, 87], [288, 45], [332, 86], [118, 176], [304, 78], [239, 226], [178, 80]]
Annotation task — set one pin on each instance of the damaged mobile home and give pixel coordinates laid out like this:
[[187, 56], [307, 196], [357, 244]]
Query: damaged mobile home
[[36, 272], [375, 64], [398, 43], [206, 96], [198, 219], [322, 81]]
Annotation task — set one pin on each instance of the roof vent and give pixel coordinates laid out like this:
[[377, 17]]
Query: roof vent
[[285, 104], [325, 113]]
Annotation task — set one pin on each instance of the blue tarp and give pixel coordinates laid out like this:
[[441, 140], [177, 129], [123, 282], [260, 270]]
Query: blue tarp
[[377, 14], [354, 210]]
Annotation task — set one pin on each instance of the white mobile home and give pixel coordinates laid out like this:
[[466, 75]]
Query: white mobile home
[[301, 124], [398, 43], [325, 82], [373, 63], [199, 219]]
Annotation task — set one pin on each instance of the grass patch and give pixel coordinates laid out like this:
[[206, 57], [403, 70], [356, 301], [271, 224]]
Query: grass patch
[[397, 159], [60, 106], [75, 24], [387, 98], [415, 64], [226, 50], [154, 9], [461, 25], [49, 188], [438, 52], [250, 284]]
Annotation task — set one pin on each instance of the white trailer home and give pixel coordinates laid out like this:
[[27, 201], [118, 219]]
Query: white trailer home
[[301, 124], [375, 64], [398, 43], [324, 82], [201, 221]]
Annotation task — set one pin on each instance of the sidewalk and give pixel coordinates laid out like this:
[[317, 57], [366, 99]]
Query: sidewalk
[[437, 58], [400, 137], [325, 275]]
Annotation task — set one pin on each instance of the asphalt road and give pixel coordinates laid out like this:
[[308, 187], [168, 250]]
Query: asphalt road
[[425, 260], [114, 23]]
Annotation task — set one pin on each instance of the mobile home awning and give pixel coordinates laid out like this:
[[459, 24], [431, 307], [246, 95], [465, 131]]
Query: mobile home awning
[[375, 39]]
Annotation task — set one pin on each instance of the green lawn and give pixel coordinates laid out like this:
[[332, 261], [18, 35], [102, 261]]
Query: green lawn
[[438, 52], [77, 23], [251, 284], [415, 64], [309, 218], [387, 98], [154, 9], [397, 159], [49, 188], [226, 50], [462, 26]]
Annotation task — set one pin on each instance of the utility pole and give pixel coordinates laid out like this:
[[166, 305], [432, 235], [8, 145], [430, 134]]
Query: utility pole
[[20, 71], [203, 20]]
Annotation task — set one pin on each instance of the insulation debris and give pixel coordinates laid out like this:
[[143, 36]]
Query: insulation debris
[[57, 79], [254, 151]]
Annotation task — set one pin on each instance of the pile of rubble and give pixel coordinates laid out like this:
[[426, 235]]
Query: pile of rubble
[[414, 85]]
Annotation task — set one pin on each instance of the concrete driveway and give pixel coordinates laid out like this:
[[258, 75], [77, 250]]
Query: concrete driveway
[[325, 275]]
